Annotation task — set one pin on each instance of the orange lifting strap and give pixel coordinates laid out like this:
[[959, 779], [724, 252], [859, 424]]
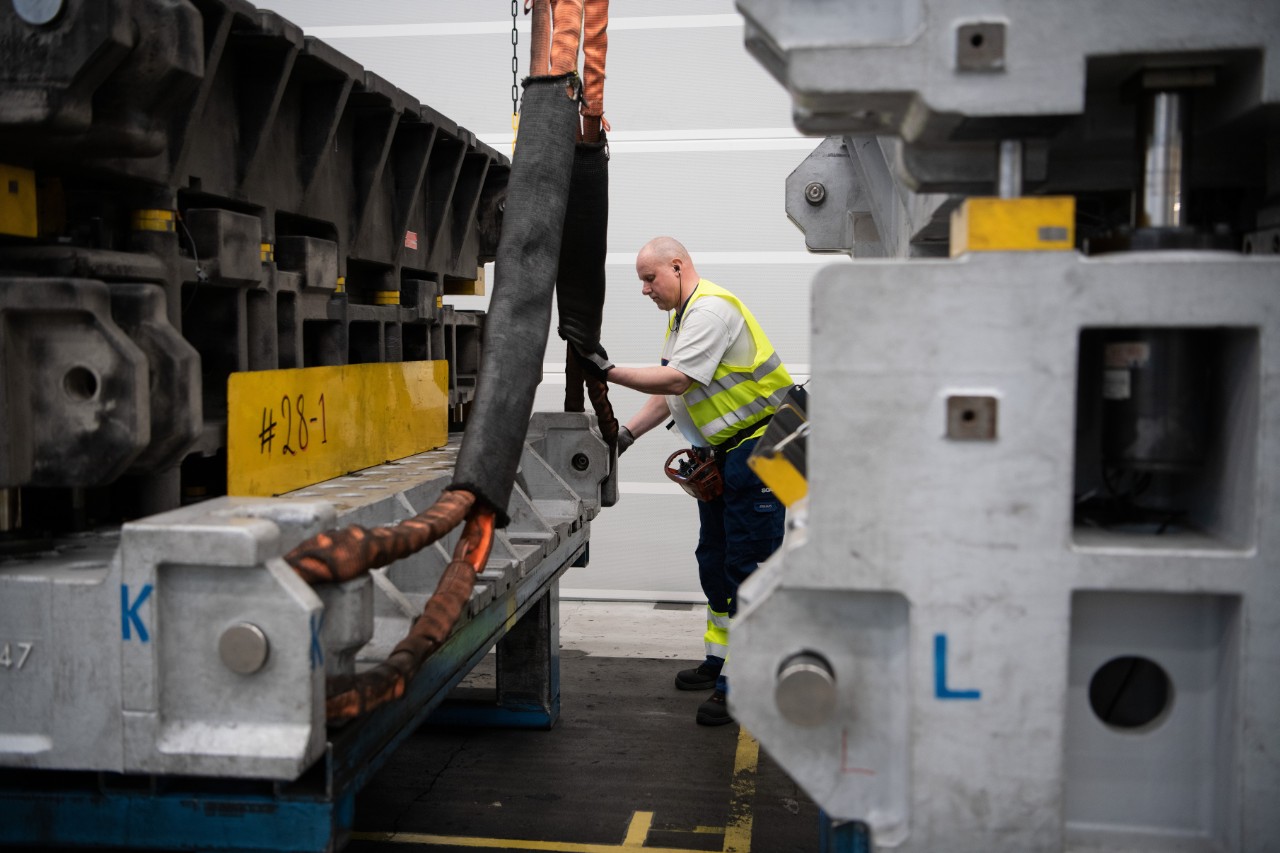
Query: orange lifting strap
[[558, 27]]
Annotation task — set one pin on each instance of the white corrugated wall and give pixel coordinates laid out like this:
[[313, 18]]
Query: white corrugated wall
[[701, 147]]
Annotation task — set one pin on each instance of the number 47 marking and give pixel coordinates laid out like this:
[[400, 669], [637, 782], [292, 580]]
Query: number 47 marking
[[6, 655]]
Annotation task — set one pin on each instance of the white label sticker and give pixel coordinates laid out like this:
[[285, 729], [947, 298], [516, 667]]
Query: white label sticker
[[1115, 385]]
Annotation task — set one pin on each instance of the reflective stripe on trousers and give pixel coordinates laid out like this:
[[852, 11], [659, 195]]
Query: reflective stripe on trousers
[[716, 639]]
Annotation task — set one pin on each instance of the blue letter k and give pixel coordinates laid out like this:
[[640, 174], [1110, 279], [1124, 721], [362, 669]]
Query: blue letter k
[[129, 612]]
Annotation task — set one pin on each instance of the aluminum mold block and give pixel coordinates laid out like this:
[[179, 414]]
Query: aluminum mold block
[[123, 631], [963, 611]]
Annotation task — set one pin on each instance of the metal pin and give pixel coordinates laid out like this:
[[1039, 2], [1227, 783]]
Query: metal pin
[[1164, 163], [806, 690], [243, 648], [1009, 181]]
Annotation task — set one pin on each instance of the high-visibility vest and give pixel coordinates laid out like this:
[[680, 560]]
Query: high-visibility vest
[[738, 395]]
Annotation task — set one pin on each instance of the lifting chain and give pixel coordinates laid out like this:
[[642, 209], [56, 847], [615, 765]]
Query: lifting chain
[[515, 76]]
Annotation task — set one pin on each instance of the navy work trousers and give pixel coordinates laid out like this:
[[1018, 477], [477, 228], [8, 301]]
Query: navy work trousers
[[740, 529]]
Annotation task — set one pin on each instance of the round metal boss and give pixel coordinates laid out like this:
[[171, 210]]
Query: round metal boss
[[243, 648], [806, 690], [38, 12]]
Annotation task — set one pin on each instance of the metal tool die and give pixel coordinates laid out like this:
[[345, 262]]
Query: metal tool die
[[963, 607]]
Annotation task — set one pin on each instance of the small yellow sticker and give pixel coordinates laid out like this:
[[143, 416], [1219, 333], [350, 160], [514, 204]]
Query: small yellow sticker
[[1026, 224], [17, 201], [288, 429]]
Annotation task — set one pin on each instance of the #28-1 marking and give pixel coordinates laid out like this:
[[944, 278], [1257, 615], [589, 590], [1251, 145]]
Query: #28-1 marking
[[293, 410]]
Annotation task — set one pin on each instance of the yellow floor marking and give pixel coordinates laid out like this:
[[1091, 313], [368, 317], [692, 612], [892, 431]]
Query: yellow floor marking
[[737, 835], [697, 830], [506, 843], [638, 831]]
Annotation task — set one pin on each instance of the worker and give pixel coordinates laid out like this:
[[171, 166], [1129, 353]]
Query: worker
[[721, 381]]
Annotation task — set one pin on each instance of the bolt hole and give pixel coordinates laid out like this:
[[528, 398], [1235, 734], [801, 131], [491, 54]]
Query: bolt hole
[[580, 462], [1129, 693], [975, 40], [968, 415], [80, 383]]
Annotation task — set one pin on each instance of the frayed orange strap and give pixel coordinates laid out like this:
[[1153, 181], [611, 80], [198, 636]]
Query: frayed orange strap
[[341, 555], [349, 697]]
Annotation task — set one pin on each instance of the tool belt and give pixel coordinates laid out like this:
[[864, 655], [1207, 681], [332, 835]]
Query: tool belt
[[697, 469], [722, 449]]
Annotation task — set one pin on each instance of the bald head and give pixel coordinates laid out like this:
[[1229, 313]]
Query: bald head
[[666, 274], [664, 249]]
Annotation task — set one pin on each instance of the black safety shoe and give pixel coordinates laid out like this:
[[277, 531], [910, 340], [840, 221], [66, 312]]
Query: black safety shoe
[[714, 711], [701, 677]]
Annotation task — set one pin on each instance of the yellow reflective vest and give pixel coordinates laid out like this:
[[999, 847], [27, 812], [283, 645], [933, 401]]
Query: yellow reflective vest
[[738, 395]]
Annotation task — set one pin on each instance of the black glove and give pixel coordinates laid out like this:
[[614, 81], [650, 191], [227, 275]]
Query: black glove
[[625, 440], [593, 360]]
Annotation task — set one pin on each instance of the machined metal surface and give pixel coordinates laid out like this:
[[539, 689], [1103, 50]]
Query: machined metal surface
[[806, 691], [1164, 165], [213, 193], [1009, 181], [38, 12], [972, 417], [190, 647], [857, 67], [952, 78], [199, 191], [243, 648], [315, 812], [1043, 499], [845, 198], [964, 603], [67, 359]]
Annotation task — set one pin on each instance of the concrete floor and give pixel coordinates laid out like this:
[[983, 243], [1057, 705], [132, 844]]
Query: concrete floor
[[625, 767]]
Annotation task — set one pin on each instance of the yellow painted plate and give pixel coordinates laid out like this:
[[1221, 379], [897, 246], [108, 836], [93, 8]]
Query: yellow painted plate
[[287, 429]]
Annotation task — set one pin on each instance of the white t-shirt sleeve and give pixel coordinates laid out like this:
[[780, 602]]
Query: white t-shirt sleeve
[[706, 332]]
